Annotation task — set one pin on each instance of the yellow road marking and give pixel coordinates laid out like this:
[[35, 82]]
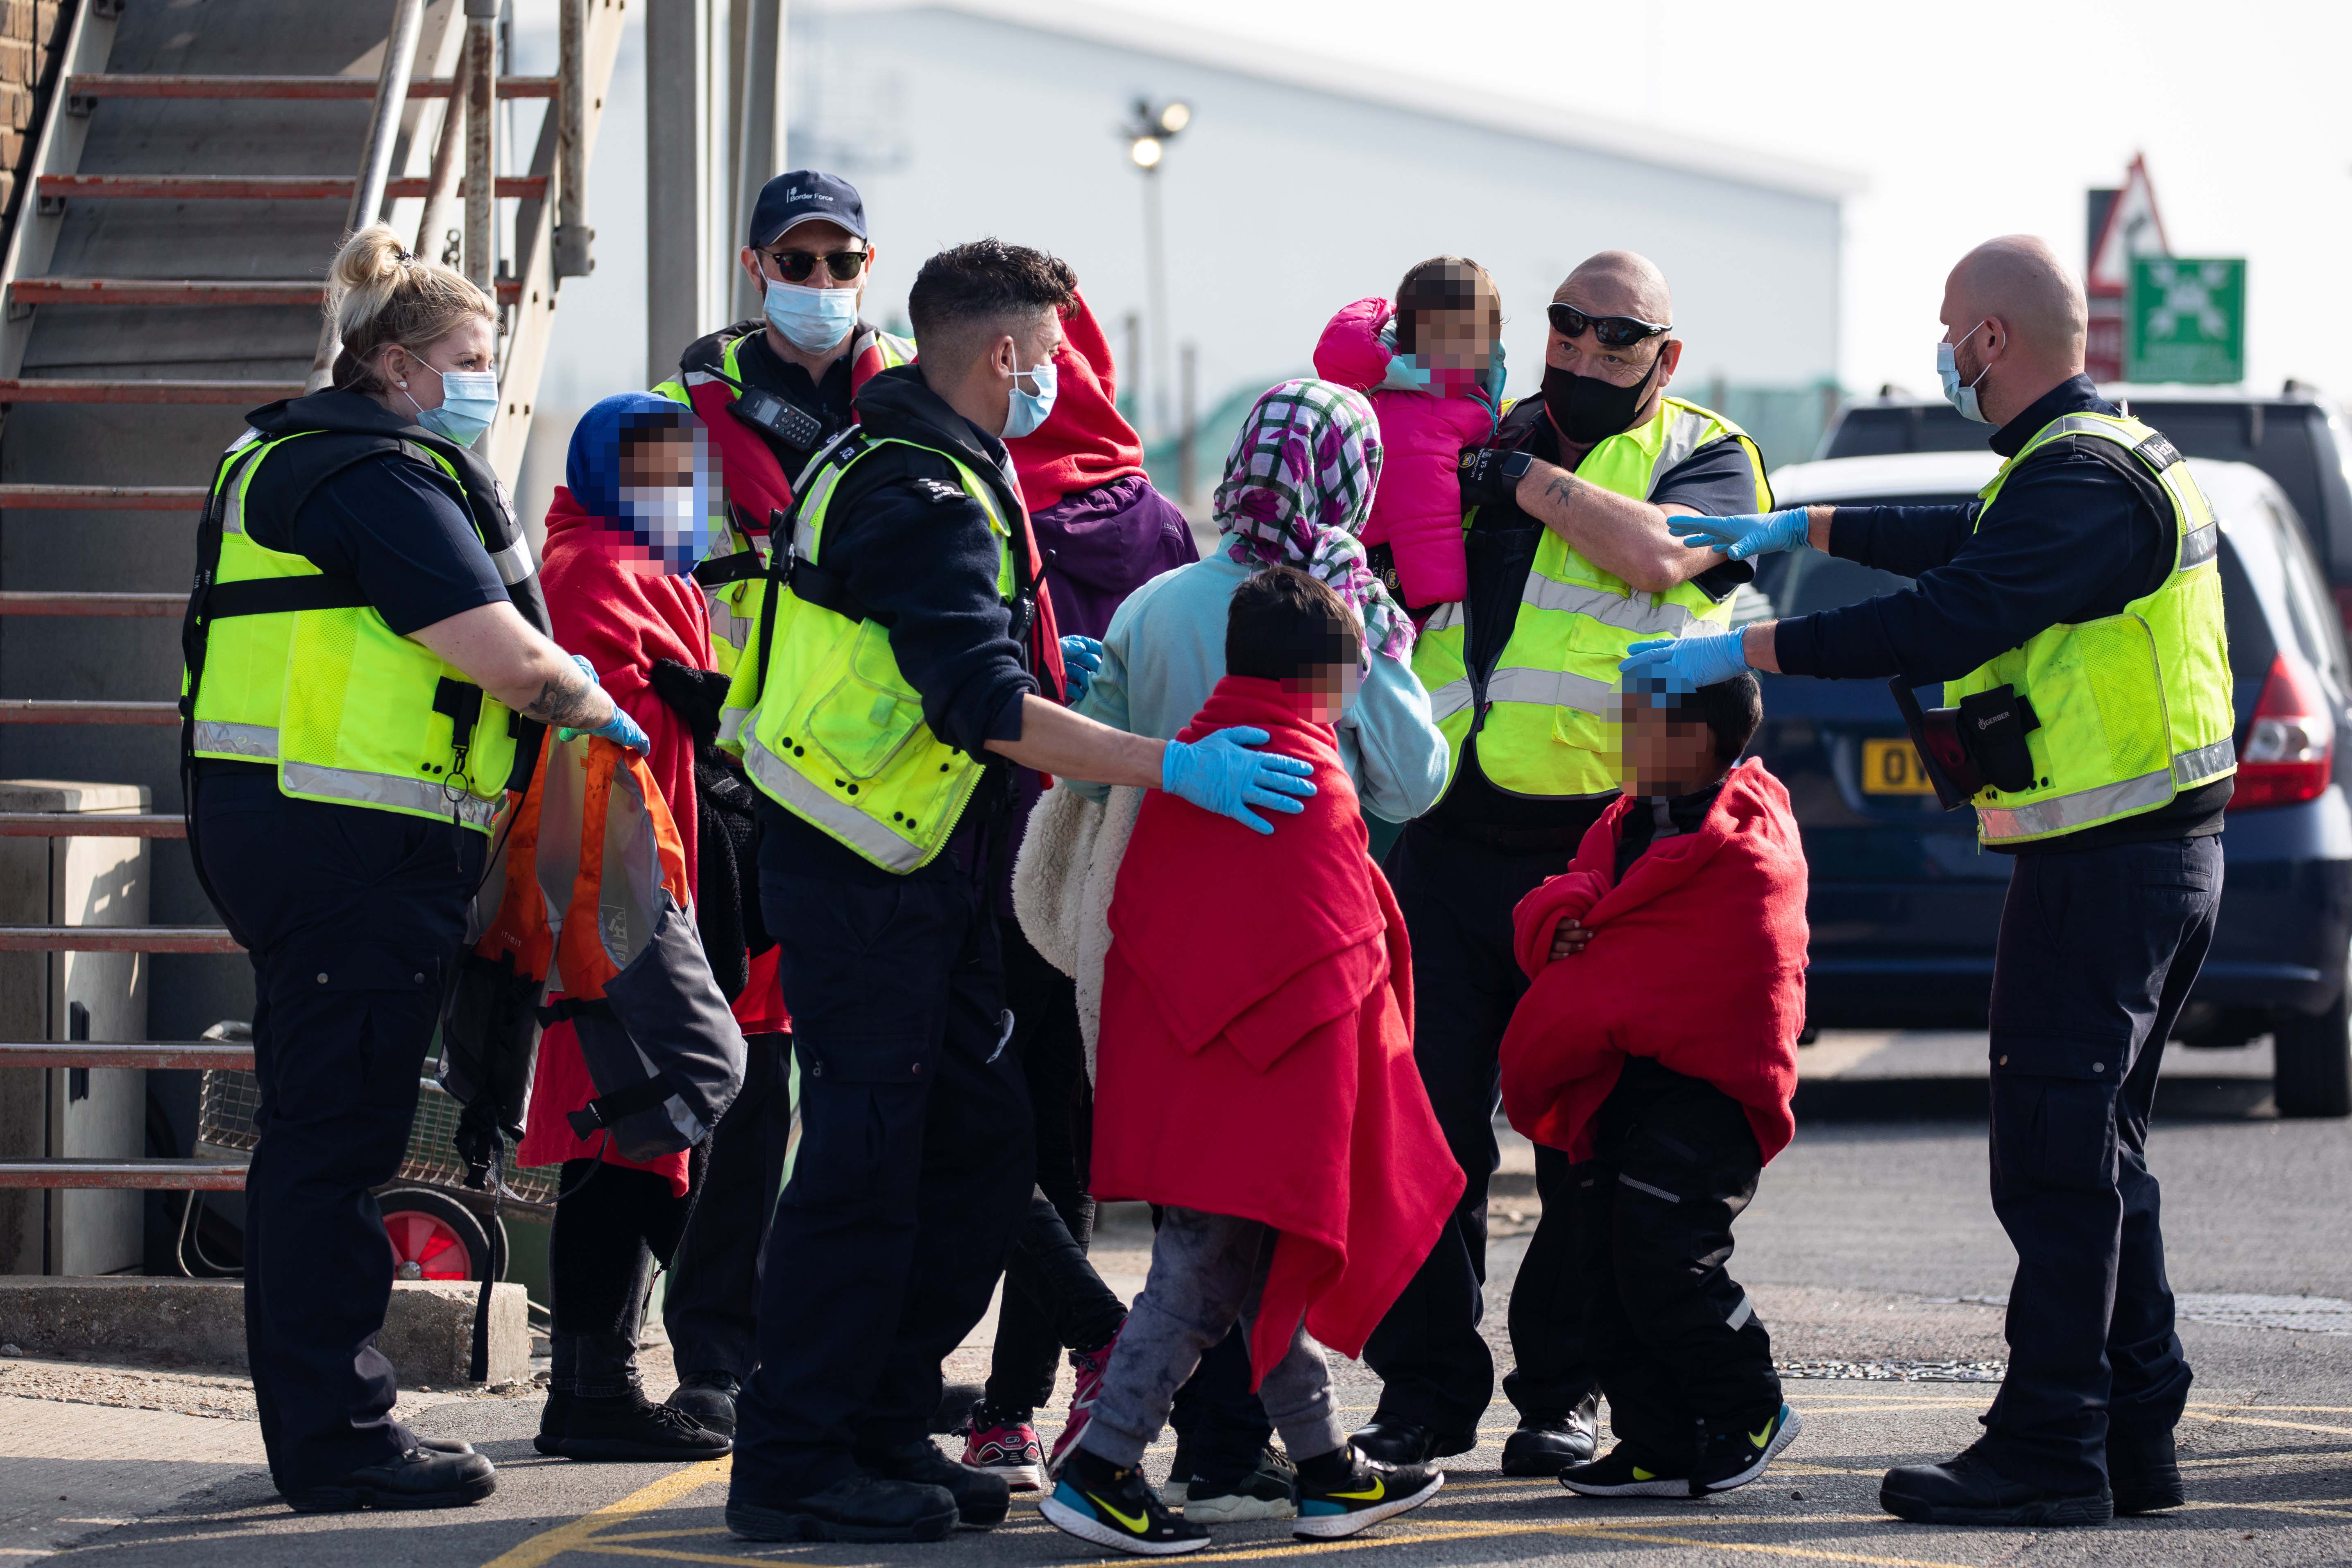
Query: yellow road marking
[[737, 1562], [549, 1544], [1433, 1533], [2289, 1426]]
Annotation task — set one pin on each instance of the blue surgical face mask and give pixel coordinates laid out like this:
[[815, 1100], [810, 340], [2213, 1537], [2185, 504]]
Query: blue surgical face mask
[[813, 319], [672, 522], [1947, 371], [1027, 410], [469, 401]]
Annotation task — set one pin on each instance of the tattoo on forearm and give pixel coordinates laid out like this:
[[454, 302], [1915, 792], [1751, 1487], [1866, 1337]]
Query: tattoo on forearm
[[567, 699], [1564, 488]]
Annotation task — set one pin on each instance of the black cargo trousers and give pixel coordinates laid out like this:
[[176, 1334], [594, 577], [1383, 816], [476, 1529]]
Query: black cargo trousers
[[912, 1177], [1456, 895], [1677, 1345], [2098, 950]]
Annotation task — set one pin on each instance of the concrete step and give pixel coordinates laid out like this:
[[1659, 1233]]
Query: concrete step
[[428, 1333]]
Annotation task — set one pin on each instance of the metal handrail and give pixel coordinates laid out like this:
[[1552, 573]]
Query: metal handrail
[[173, 1175], [118, 939], [28, 602], [376, 163], [325, 88], [157, 1054], [65, 710], [90, 825]]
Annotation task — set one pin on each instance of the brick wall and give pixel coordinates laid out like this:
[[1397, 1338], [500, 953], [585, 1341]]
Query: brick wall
[[32, 33]]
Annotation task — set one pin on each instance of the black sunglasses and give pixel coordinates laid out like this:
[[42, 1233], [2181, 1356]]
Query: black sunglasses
[[796, 265], [1612, 332]]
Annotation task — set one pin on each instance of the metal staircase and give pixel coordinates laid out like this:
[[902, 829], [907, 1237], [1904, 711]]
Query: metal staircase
[[150, 433]]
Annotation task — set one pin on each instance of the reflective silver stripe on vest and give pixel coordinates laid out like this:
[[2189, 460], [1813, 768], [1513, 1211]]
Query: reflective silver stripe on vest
[[1445, 618], [1449, 699], [1553, 689], [514, 562], [732, 629], [2206, 762], [215, 737], [1741, 1313], [426, 797], [844, 821], [2199, 545], [1634, 613], [730, 724], [2064, 813], [1684, 437], [1645, 1187]]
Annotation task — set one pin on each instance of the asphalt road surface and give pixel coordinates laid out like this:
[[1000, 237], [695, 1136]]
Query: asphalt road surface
[[1873, 1256]]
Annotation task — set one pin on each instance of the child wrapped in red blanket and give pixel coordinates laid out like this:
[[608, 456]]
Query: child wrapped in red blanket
[[1657, 1047], [1256, 1078]]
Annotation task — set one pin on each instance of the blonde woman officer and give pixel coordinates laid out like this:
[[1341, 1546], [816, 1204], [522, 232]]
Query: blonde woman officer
[[367, 660]]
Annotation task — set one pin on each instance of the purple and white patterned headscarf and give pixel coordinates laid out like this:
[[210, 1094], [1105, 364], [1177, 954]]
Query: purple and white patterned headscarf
[[1298, 485]]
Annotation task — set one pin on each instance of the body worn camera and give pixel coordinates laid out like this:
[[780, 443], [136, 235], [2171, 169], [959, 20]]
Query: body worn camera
[[1980, 744]]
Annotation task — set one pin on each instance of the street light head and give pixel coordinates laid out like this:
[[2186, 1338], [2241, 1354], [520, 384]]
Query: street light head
[[1147, 151], [1174, 118]]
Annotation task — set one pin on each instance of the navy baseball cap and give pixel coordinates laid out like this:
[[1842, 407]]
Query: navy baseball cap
[[797, 197]]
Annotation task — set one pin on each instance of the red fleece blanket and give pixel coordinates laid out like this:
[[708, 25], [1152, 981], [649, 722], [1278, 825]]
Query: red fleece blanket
[[1698, 958], [1256, 1055], [1086, 441]]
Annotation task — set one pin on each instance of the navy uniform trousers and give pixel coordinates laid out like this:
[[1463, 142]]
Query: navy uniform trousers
[[1435, 1370], [352, 917], [913, 1174], [2098, 950]]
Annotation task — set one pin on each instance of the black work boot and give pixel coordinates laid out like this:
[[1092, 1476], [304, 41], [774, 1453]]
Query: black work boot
[[1406, 1443], [2143, 1469], [418, 1477], [708, 1397], [982, 1497], [1547, 1446], [631, 1426], [552, 1421], [863, 1508], [1967, 1489]]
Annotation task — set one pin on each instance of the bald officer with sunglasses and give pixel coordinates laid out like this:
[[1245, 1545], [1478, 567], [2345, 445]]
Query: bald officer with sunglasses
[[1570, 563]]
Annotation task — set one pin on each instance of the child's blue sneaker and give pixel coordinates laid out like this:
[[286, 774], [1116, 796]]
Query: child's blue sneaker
[[1096, 1500]]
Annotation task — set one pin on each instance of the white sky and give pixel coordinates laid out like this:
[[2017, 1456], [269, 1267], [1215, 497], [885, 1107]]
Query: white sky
[[1968, 120]]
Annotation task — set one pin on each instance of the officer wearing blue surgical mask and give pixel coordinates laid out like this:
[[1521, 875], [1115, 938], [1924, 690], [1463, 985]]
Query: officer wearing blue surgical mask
[[368, 672], [2072, 613], [772, 389]]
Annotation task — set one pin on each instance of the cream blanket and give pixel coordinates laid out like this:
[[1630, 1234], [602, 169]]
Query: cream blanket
[[1062, 884]]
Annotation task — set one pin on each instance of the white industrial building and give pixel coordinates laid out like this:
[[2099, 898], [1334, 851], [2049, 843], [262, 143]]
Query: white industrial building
[[1298, 185]]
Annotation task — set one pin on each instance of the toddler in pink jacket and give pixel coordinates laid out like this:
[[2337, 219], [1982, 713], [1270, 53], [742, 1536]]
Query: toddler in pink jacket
[[1433, 365]]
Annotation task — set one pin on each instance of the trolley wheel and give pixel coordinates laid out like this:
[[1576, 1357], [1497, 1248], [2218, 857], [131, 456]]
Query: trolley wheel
[[435, 1237]]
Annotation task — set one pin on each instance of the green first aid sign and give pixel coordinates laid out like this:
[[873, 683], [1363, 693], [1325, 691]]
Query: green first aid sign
[[2186, 320]]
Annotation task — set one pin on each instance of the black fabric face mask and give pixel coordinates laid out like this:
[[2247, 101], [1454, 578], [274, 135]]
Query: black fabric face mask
[[1589, 410]]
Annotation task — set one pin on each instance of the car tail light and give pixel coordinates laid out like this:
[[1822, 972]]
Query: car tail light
[[2290, 744]]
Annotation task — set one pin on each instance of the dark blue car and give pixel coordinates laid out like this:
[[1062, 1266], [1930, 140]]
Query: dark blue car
[[1904, 905]]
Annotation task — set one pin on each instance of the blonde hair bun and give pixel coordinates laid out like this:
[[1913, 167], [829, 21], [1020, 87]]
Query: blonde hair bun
[[378, 293]]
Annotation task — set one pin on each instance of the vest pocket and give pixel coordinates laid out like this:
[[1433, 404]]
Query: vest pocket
[[868, 715]]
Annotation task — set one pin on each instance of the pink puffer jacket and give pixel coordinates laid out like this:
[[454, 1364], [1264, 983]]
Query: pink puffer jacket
[[1417, 511]]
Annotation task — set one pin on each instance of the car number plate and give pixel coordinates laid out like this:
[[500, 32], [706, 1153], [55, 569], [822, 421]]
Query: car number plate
[[1893, 767]]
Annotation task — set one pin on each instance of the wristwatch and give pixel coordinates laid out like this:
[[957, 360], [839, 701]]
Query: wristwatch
[[1489, 475]]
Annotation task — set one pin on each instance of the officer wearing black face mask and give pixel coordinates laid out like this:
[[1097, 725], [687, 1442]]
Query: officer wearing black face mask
[[1570, 563]]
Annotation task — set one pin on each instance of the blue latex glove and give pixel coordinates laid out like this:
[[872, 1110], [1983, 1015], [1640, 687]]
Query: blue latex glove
[[620, 728], [1081, 656], [1697, 659], [1220, 773], [1742, 537]]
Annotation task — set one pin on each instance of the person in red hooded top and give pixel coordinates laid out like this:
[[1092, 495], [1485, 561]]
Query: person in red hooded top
[[621, 538], [1103, 531]]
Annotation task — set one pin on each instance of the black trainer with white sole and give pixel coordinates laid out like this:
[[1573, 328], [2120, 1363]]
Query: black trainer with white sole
[[1332, 1505], [1734, 1459], [1101, 1502], [1626, 1471]]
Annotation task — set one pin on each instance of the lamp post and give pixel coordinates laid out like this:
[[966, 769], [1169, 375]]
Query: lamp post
[[1149, 129]]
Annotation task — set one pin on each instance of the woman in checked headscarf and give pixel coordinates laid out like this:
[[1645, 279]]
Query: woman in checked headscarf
[[1297, 490]]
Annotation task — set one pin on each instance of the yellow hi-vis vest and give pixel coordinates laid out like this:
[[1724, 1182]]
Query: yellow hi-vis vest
[[2134, 707], [351, 712], [1543, 715], [825, 724], [729, 574]]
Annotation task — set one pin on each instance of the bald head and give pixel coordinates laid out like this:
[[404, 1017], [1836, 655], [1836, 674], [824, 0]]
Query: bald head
[[1619, 283], [2020, 278]]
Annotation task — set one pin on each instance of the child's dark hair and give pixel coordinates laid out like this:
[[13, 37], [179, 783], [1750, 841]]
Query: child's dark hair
[[1284, 625], [1444, 283], [1732, 709]]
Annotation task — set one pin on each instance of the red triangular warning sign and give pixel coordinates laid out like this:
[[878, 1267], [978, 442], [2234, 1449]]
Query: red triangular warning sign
[[2132, 228]]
